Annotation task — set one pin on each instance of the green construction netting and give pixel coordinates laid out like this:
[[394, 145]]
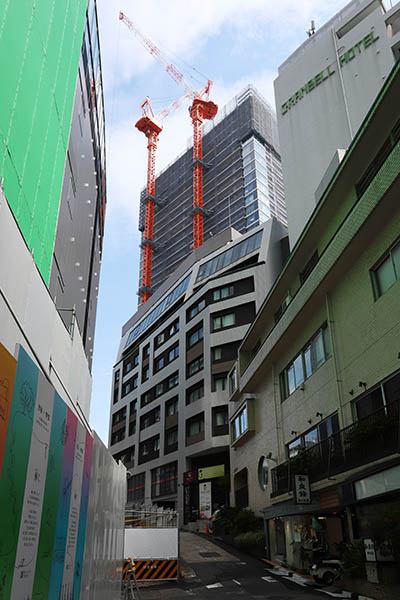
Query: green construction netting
[[40, 44]]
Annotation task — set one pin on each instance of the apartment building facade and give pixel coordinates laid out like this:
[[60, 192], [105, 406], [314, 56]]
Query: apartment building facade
[[314, 405], [169, 410], [242, 182]]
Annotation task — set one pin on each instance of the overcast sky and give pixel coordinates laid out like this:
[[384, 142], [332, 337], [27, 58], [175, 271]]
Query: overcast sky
[[232, 42]]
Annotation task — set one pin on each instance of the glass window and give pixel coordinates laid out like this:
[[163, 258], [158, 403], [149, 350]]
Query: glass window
[[172, 437], [317, 351], [219, 383], [221, 417], [195, 366], [171, 407], [195, 337], [311, 438], [307, 361], [224, 321], [298, 370], [217, 353], [195, 427], [291, 379], [294, 448]]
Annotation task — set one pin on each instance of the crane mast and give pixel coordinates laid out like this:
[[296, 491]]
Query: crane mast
[[201, 109]]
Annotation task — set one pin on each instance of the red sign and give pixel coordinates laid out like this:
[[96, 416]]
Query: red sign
[[190, 476]]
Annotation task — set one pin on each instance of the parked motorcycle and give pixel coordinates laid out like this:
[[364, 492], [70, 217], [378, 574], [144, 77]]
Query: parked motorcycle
[[327, 570]]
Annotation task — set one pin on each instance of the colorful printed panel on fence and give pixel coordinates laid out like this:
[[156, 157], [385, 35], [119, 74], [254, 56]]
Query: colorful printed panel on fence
[[45, 454]]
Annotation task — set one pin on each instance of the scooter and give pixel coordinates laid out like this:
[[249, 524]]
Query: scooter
[[327, 570]]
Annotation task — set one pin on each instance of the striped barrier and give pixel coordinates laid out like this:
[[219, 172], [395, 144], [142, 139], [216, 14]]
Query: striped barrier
[[146, 570]]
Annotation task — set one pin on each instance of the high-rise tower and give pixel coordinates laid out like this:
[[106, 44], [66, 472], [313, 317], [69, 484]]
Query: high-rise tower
[[242, 182]]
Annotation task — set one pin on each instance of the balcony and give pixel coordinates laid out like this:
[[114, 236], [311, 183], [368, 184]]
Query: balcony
[[363, 442]]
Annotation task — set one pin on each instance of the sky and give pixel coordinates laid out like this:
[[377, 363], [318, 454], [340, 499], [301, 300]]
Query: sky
[[233, 43]]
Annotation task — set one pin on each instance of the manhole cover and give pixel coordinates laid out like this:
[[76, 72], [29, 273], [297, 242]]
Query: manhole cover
[[209, 554]]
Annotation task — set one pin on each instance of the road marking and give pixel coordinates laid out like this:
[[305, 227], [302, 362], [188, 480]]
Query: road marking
[[214, 585], [237, 582], [270, 579], [338, 595]]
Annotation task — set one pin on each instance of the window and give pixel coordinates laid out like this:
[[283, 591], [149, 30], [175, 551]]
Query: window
[[145, 374], [282, 307], [173, 353], [171, 407], [314, 436], [149, 449], [195, 336], [129, 385], [132, 428], [195, 426], [126, 456], [153, 416], [196, 308], [146, 351], [136, 487], [119, 416], [164, 480], [116, 377], [232, 254], [159, 364], [194, 393], [130, 362], [387, 272], [171, 437], [385, 398], [117, 436], [220, 424], [239, 424], [309, 267], [316, 352], [159, 389], [195, 366], [173, 381], [223, 321], [166, 334], [158, 310], [224, 292], [217, 354], [132, 407], [219, 382]]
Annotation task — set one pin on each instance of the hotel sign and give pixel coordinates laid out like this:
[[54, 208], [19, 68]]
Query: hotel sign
[[322, 76]]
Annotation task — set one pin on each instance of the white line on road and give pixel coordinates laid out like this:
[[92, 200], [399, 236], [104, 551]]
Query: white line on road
[[214, 585], [237, 582], [270, 579]]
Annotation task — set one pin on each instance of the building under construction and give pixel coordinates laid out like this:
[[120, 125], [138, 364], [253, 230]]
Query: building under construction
[[242, 183]]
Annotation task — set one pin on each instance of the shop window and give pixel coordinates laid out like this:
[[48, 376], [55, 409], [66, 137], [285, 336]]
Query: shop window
[[164, 480]]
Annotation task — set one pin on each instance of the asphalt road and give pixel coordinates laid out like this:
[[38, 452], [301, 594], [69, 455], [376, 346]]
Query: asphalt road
[[215, 571]]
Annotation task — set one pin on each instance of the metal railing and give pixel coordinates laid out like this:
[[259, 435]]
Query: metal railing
[[365, 441], [151, 517]]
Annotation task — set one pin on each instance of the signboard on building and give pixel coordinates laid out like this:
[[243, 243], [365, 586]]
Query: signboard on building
[[369, 548], [205, 500], [190, 476], [211, 472], [302, 491]]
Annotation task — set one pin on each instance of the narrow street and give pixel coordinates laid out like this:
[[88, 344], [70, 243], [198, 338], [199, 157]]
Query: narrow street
[[212, 570]]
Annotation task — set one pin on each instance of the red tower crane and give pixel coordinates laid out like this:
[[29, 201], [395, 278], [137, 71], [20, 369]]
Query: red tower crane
[[150, 125], [202, 109]]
